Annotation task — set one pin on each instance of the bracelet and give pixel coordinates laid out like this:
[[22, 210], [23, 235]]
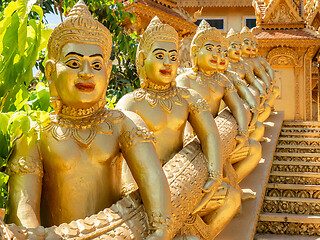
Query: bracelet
[[243, 133]]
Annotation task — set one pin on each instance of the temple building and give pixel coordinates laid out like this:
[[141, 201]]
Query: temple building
[[286, 31]]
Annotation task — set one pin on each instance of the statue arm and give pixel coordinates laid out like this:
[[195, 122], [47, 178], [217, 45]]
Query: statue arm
[[138, 149], [235, 104], [268, 68], [25, 172], [254, 82], [206, 129]]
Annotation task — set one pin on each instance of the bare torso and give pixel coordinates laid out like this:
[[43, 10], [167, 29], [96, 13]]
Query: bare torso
[[165, 116], [80, 164]]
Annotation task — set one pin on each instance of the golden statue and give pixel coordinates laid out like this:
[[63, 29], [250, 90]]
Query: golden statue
[[166, 109], [256, 128], [255, 65], [74, 170], [213, 87], [245, 72]]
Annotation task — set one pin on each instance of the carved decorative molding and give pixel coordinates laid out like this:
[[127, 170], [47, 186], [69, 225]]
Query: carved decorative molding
[[282, 56], [288, 228]]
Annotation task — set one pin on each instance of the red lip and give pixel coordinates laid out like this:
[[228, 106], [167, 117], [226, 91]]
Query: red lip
[[248, 49], [214, 61], [237, 53], [85, 87], [222, 63], [166, 72]]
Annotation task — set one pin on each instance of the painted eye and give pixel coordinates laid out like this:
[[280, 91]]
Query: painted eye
[[159, 55], [173, 58], [219, 50], [74, 64], [97, 66], [209, 48]]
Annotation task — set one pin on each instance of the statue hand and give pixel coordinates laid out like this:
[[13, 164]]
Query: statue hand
[[210, 188], [211, 185], [160, 234], [254, 118], [240, 140]]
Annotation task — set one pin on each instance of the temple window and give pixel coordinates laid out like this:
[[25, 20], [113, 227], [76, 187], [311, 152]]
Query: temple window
[[214, 22], [250, 22]]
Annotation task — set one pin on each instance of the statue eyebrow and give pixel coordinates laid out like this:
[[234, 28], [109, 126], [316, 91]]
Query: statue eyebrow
[[159, 49], [74, 53], [96, 55], [173, 51]]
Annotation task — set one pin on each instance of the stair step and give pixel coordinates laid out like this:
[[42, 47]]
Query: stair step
[[293, 186], [277, 162], [300, 134], [294, 193], [291, 154], [295, 166], [306, 123], [293, 199], [284, 237], [301, 158], [311, 178], [284, 138], [297, 146], [284, 217], [300, 129], [295, 174]]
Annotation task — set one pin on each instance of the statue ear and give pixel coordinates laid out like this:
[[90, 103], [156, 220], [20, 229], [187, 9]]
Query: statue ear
[[49, 69], [140, 59], [109, 69], [194, 51]]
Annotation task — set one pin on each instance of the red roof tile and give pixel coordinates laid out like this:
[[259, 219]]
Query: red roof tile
[[286, 34], [156, 6], [214, 3]]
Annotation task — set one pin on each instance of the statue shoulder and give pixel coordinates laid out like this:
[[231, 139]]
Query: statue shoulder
[[235, 78], [184, 78], [127, 102], [226, 83]]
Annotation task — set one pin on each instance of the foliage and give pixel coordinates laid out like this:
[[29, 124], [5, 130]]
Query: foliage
[[21, 37]]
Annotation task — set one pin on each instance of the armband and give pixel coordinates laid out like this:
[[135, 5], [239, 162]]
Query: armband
[[129, 139], [158, 221], [25, 165], [200, 106]]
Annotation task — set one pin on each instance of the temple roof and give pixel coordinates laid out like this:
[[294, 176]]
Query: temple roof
[[299, 34], [147, 9], [214, 3], [288, 37]]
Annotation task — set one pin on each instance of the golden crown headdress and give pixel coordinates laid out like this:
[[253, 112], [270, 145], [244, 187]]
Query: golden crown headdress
[[206, 32], [225, 42], [157, 31], [246, 33], [81, 27], [233, 36]]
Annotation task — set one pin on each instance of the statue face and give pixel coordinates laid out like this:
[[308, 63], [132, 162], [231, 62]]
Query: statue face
[[209, 56], [235, 50], [81, 75], [246, 46], [162, 62], [224, 60]]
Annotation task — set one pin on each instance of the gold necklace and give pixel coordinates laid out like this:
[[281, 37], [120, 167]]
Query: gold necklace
[[83, 130], [164, 98]]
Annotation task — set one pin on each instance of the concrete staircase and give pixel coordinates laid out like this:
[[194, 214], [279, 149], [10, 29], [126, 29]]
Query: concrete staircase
[[291, 206]]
